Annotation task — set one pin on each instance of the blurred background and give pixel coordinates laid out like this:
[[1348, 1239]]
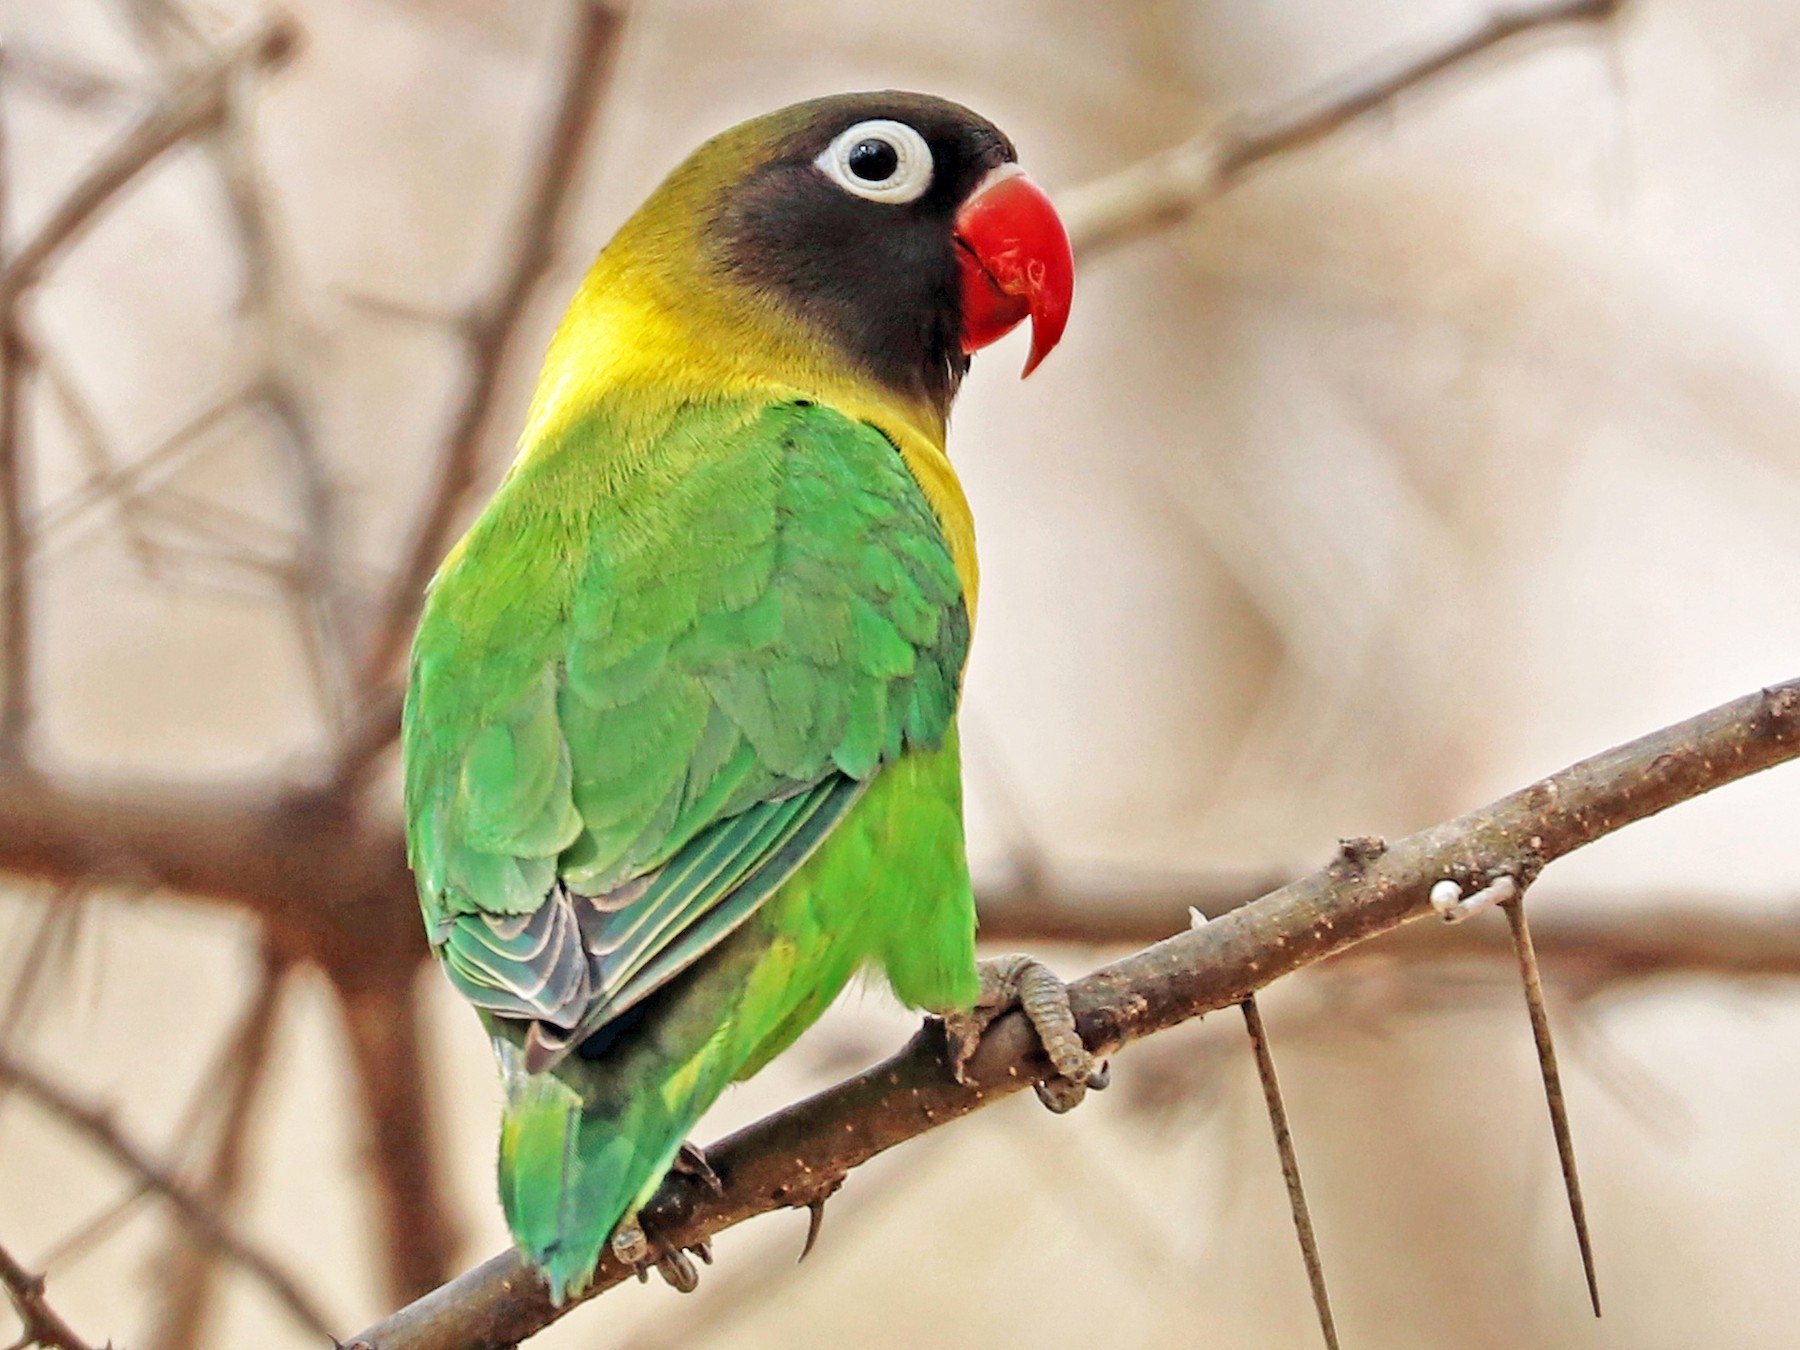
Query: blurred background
[[1416, 462]]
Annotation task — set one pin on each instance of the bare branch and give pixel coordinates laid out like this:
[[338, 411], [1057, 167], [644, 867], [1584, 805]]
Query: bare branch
[[43, 1325], [419, 1233], [196, 104], [1370, 888], [15, 546], [97, 1128], [66, 79], [329, 887], [188, 1288], [1587, 941], [490, 331], [1167, 188]]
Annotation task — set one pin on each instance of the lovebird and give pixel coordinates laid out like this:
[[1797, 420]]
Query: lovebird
[[680, 731]]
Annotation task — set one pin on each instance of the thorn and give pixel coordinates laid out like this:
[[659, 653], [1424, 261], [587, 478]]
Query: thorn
[[815, 1221], [1290, 1169], [1553, 1092], [691, 1160]]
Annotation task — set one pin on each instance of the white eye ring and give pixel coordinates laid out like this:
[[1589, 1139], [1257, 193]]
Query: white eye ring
[[908, 179]]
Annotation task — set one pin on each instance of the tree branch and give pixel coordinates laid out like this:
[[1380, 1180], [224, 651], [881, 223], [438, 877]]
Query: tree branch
[[98, 1129], [488, 335], [1167, 188], [1587, 940], [419, 1235], [188, 1284], [42, 1324], [196, 104], [802, 1152]]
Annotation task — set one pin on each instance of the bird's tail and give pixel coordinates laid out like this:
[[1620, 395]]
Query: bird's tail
[[571, 1169]]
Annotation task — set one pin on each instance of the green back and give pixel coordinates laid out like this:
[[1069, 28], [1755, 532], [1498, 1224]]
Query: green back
[[666, 661]]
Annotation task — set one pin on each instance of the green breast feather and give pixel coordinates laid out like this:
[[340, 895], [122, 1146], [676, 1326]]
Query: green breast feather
[[669, 676]]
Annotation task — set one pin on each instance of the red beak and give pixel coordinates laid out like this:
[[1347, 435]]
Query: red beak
[[1015, 262]]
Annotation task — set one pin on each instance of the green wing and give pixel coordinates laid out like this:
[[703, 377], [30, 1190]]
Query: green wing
[[650, 683]]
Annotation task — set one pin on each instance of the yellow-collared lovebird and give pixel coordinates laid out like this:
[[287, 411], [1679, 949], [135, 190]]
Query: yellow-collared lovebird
[[680, 733]]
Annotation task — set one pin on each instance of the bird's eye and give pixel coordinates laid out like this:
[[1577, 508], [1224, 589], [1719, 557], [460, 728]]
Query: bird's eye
[[881, 160]]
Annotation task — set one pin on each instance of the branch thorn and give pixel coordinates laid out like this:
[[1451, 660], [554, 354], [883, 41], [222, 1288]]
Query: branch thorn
[[1553, 1091], [1290, 1169]]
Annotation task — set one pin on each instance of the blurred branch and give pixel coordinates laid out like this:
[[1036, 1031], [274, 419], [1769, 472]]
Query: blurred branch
[[97, 1127], [802, 1153], [68, 80], [1167, 188], [42, 1324], [15, 546], [194, 105], [188, 1288], [419, 1233], [488, 334], [1589, 939]]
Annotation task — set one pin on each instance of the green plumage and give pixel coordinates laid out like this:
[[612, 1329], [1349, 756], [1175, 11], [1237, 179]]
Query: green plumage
[[681, 759]]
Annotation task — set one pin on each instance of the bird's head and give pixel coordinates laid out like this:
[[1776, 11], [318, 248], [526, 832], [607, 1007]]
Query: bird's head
[[892, 233]]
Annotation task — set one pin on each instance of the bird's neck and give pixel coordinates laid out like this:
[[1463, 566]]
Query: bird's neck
[[635, 344]]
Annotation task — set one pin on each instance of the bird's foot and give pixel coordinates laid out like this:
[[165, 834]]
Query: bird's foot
[[632, 1246], [1023, 982]]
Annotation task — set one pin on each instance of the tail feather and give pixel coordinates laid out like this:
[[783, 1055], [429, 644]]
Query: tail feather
[[569, 1172]]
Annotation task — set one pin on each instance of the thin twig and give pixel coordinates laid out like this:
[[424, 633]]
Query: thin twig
[[188, 1288], [1369, 889], [1167, 188], [43, 1325], [1590, 938], [97, 1127], [1290, 1169], [488, 338], [15, 546], [1553, 1088], [419, 1235], [197, 103]]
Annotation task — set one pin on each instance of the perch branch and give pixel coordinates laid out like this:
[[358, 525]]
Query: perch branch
[[804, 1151], [42, 1324], [1167, 188]]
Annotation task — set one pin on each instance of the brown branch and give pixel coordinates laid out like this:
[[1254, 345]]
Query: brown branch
[[802, 1152], [193, 106], [419, 1235], [1169, 187], [188, 1289], [42, 1324], [1587, 939], [15, 542], [97, 1127], [330, 887], [488, 335]]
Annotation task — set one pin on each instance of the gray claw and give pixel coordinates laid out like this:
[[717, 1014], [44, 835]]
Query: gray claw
[[636, 1250], [1029, 985]]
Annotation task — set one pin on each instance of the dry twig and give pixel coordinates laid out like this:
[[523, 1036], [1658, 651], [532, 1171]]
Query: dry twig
[[97, 1127], [43, 1325], [1165, 189], [196, 104], [790, 1157], [488, 334], [190, 1284]]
